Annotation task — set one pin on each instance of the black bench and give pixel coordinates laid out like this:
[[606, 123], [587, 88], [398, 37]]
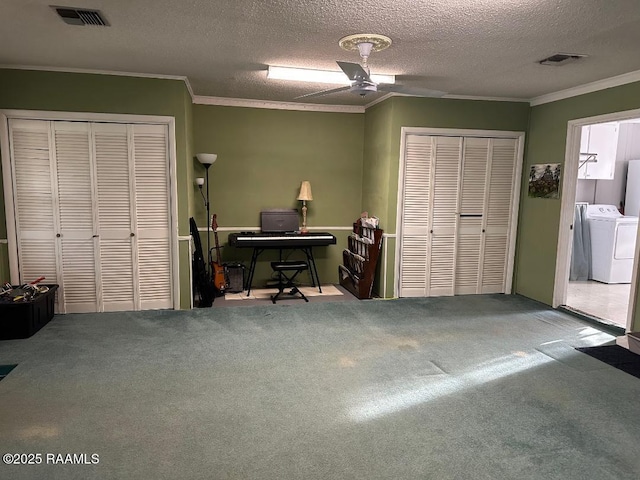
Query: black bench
[[286, 281]]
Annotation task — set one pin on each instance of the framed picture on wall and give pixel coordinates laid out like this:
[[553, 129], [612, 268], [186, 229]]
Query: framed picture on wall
[[544, 180]]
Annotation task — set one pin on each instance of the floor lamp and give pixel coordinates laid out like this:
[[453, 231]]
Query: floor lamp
[[206, 159]]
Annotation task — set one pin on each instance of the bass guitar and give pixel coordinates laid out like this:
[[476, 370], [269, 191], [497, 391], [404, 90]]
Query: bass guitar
[[217, 269]]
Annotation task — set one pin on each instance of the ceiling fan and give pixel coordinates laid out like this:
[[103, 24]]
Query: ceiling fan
[[359, 75]]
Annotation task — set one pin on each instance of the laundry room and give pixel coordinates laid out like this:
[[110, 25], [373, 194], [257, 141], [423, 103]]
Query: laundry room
[[607, 207]]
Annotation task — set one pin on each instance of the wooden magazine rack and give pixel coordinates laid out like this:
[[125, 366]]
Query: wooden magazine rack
[[360, 259]]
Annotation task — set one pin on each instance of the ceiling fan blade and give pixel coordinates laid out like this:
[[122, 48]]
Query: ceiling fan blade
[[323, 92], [355, 72], [416, 91]]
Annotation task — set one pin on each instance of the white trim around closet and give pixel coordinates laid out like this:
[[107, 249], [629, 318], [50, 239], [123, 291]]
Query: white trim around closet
[[12, 238], [459, 132]]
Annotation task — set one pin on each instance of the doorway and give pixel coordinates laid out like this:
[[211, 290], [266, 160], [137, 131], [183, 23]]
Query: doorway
[[594, 201]]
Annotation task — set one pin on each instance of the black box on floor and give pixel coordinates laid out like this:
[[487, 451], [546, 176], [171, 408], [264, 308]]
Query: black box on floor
[[23, 319], [235, 277]]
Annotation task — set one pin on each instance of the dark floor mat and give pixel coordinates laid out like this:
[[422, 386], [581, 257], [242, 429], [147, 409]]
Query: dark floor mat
[[616, 356], [5, 369]]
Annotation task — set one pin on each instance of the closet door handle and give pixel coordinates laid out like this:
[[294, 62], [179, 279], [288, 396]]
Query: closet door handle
[[96, 236], [58, 235], [132, 234]]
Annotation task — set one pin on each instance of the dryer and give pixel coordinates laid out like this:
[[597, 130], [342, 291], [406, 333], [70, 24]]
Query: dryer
[[613, 244]]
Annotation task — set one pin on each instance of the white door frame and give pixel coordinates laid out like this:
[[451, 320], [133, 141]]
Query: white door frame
[[12, 238], [567, 208], [460, 132]]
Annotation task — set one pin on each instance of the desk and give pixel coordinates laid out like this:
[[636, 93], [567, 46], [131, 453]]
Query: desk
[[280, 241]]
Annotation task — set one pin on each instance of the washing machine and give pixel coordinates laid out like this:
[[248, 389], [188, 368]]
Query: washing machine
[[613, 244]]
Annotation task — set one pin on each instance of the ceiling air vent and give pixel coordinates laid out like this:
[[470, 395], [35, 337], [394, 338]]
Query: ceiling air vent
[[80, 16], [561, 59]]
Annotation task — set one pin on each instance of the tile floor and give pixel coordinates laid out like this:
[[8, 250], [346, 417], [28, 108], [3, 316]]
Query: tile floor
[[261, 296], [605, 301]]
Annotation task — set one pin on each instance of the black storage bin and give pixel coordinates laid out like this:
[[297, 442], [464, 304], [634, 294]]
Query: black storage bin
[[23, 319]]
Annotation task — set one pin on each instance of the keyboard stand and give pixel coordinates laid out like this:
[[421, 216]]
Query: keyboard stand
[[282, 241], [308, 251]]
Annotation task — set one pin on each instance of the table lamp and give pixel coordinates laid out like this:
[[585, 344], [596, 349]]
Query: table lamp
[[305, 194]]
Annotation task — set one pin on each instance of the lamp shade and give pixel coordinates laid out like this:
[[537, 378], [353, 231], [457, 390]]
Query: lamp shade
[[207, 158], [200, 181], [305, 191]]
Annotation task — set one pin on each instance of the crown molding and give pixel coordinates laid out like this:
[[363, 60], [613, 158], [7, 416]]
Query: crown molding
[[611, 82], [486, 99], [452, 97], [103, 72], [248, 103], [379, 100]]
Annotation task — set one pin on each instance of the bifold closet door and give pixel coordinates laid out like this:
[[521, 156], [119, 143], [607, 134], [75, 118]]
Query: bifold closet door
[[488, 166], [75, 232], [115, 213], [92, 207], [152, 216], [498, 221], [443, 205], [427, 263], [53, 209], [456, 215], [419, 152], [35, 208], [471, 207], [133, 216]]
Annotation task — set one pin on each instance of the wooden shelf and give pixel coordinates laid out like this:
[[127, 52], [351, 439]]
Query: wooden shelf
[[359, 260]]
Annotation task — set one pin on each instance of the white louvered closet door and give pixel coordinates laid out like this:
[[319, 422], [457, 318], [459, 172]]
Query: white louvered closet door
[[72, 162], [152, 219], [114, 193], [475, 155], [456, 215], [415, 216], [443, 204], [498, 205], [92, 212], [35, 205]]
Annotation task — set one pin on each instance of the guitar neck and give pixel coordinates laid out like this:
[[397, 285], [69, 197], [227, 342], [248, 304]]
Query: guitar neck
[[215, 235], [214, 227]]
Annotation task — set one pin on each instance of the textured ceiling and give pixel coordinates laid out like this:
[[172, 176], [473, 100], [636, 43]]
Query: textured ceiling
[[486, 48]]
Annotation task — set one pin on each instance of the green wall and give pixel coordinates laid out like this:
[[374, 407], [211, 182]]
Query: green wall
[[540, 218], [383, 127], [263, 156], [74, 92], [352, 160]]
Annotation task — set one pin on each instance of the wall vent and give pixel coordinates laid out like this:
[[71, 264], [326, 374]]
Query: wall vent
[[561, 59], [81, 16]]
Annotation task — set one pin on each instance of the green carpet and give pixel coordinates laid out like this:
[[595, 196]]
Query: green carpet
[[474, 387]]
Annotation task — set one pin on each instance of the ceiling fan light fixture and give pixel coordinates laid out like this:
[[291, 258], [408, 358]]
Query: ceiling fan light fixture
[[306, 75], [319, 76], [365, 49], [352, 42]]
